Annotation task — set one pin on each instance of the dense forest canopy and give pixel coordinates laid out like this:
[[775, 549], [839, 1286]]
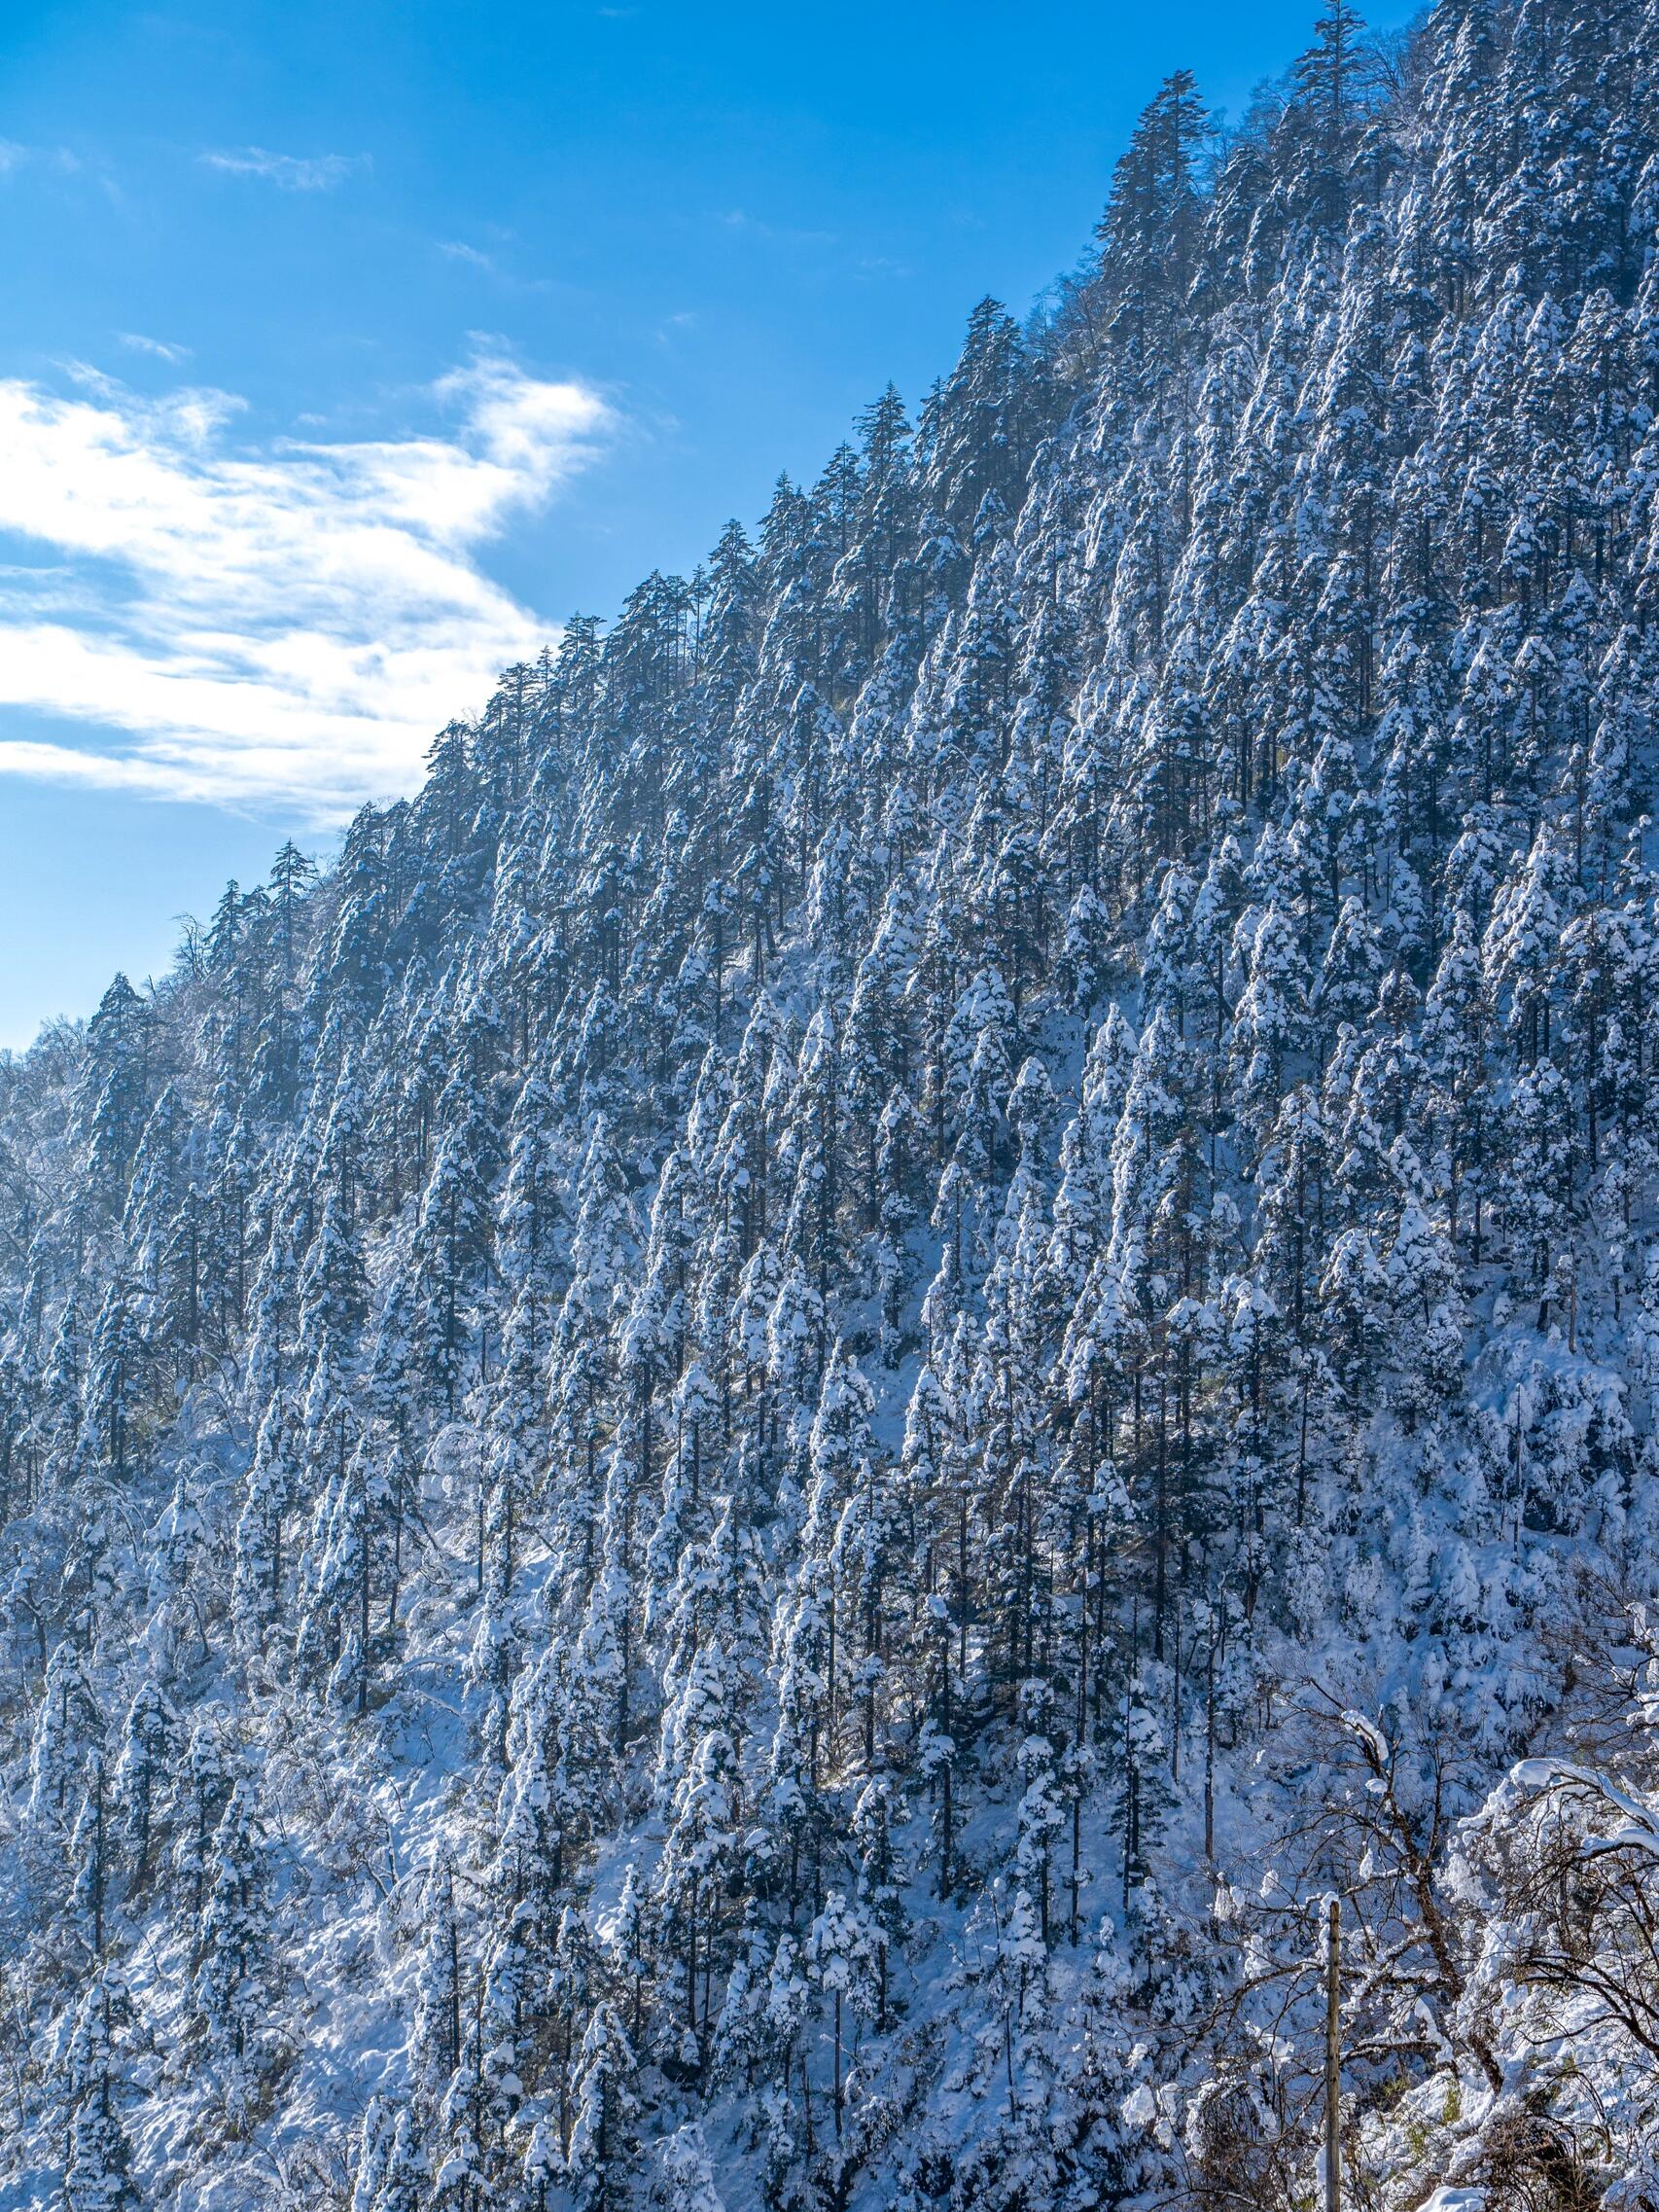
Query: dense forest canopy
[[736, 1473]]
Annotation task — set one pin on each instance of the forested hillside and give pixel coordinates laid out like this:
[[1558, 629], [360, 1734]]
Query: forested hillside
[[736, 1472]]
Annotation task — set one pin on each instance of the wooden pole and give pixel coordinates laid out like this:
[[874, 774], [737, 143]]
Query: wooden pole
[[1334, 2059]]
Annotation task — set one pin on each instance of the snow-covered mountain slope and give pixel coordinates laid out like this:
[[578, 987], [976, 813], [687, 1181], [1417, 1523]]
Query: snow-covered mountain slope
[[734, 1474]]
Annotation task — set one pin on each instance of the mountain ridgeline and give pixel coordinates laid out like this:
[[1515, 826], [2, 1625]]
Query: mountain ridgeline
[[737, 1473]]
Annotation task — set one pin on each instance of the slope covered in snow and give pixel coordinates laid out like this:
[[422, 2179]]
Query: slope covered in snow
[[734, 1475]]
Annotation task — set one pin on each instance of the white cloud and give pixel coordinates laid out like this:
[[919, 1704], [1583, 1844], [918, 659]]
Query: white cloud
[[159, 348], [279, 623], [289, 172]]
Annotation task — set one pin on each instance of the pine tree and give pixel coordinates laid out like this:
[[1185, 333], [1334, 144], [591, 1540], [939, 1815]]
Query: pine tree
[[606, 2105], [114, 1089], [437, 2035], [151, 1741], [97, 2174], [89, 1855], [687, 2174], [451, 1242], [238, 1977], [67, 1731]]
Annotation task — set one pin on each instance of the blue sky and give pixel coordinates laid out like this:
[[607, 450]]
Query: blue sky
[[350, 346]]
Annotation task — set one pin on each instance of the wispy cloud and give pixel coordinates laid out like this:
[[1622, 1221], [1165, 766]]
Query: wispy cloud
[[278, 622], [289, 172], [452, 249], [158, 348], [14, 157], [749, 225], [496, 264]]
